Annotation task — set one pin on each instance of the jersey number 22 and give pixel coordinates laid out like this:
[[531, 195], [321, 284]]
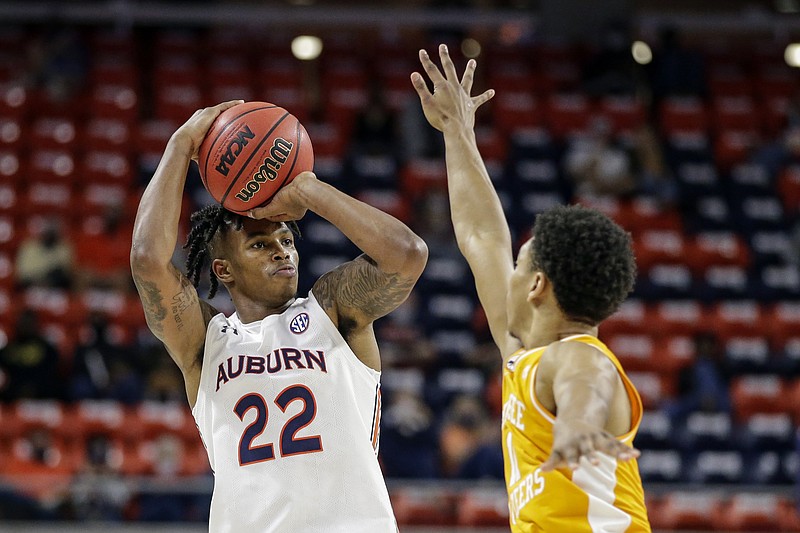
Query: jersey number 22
[[290, 443]]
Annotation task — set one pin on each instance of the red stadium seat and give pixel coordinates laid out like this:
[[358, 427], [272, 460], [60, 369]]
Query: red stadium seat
[[732, 318], [567, 114], [430, 506], [625, 113], [513, 110], [658, 246], [632, 317], [653, 387], [688, 510], [419, 176], [683, 114], [636, 352], [482, 508], [116, 101], [789, 188], [752, 394], [108, 134], [736, 113], [716, 248], [750, 512]]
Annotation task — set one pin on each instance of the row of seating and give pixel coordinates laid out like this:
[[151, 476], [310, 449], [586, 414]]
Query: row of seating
[[707, 511]]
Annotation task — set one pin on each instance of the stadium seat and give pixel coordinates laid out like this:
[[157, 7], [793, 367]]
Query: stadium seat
[[735, 113], [660, 466], [750, 512], [633, 317], [747, 355], [688, 510], [482, 508], [764, 432], [652, 247], [625, 113], [682, 114], [636, 352], [703, 431], [567, 114], [730, 318], [758, 394], [680, 317], [716, 248], [733, 147], [114, 101], [108, 134], [656, 431], [653, 387], [711, 466], [513, 110], [430, 506]]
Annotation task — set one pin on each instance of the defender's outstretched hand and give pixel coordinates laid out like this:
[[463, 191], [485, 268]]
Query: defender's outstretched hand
[[450, 105]]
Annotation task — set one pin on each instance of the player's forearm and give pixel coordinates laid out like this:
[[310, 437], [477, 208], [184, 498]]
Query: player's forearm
[[155, 231], [389, 242], [475, 208]]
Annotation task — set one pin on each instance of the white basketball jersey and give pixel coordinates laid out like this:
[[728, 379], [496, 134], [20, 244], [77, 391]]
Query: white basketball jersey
[[290, 416]]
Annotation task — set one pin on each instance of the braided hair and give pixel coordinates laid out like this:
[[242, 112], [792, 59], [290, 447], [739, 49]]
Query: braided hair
[[206, 223]]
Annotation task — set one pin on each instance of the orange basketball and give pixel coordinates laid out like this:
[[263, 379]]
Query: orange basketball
[[251, 151]]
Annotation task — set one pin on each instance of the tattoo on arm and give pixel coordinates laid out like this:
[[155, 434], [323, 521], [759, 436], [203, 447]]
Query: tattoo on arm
[[153, 304], [182, 301], [360, 285]]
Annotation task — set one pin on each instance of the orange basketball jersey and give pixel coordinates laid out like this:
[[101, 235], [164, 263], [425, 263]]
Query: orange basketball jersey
[[605, 498]]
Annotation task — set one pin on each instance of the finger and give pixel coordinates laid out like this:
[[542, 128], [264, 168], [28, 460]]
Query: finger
[[554, 461], [588, 451], [430, 69], [469, 75], [225, 105], [483, 98], [572, 457], [419, 84], [447, 63]]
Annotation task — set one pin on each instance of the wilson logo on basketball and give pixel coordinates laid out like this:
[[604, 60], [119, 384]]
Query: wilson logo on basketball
[[268, 170], [299, 323], [235, 146]]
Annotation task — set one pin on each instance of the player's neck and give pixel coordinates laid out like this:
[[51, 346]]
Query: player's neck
[[549, 327], [250, 311]]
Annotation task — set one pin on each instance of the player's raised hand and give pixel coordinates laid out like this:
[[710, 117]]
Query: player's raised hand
[[573, 440], [287, 203], [194, 130], [451, 104]]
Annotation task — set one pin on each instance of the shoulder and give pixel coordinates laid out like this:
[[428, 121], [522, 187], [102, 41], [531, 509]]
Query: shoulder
[[576, 355]]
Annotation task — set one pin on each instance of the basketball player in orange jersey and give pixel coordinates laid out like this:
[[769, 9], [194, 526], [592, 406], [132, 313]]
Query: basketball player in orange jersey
[[569, 411], [286, 390]]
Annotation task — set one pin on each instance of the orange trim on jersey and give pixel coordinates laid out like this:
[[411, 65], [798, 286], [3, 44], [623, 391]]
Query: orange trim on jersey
[[376, 426]]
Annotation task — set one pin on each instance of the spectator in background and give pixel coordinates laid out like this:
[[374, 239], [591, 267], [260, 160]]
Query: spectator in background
[[102, 368], [45, 259], [408, 437], [375, 131], [38, 472], [29, 363], [703, 385], [98, 491], [596, 165], [469, 442], [104, 255], [611, 71], [676, 69], [654, 176]]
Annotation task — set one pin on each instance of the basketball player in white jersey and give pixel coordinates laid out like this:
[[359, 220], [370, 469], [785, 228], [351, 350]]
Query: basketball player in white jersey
[[285, 391]]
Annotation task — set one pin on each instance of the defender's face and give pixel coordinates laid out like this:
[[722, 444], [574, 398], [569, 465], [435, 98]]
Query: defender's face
[[518, 307], [264, 261]]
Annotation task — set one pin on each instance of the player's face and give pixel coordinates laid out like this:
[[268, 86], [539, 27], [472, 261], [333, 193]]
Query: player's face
[[518, 308], [264, 261]]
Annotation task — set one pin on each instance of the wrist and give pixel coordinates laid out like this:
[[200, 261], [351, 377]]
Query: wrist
[[181, 142]]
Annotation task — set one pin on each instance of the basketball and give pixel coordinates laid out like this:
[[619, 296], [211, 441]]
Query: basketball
[[250, 152]]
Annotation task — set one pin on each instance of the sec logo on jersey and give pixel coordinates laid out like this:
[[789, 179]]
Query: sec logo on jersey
[[299, 323]]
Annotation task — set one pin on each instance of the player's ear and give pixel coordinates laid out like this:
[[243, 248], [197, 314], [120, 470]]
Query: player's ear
[[537, 285], [221, 269]]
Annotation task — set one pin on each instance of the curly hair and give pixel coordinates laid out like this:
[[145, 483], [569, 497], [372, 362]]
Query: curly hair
[[206, 224], [587, 257]]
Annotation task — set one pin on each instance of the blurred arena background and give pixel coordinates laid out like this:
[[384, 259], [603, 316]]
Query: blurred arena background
[[680, 119]]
